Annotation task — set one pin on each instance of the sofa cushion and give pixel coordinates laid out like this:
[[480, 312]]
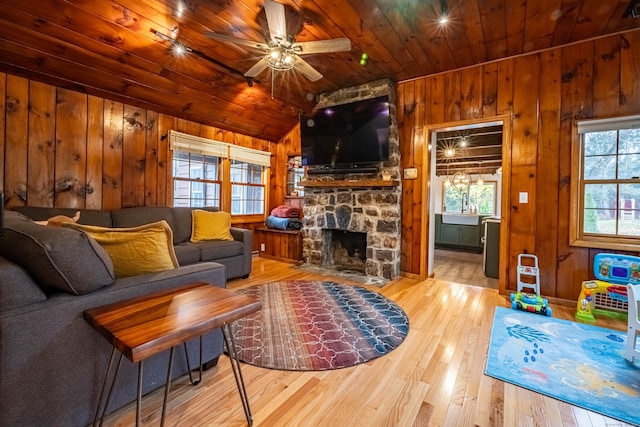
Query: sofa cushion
[[17, 288], [57, 258], [218, 249], [187, 253], [210, 226], [137, 250], [133, 217]]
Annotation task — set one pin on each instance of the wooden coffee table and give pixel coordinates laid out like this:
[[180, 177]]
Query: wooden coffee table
[[144, 326]]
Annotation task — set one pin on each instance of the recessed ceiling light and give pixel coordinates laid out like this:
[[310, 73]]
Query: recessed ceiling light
[[444, 12]]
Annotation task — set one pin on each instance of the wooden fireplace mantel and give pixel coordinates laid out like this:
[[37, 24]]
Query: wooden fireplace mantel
[[351, 183]]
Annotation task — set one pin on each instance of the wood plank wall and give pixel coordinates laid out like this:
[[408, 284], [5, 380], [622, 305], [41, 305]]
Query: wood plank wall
[[544, 93], [289, 145], [67, 149], [61, 148]]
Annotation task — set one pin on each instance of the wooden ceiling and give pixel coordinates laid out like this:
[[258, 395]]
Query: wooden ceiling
[[112, 48], [474, 150]]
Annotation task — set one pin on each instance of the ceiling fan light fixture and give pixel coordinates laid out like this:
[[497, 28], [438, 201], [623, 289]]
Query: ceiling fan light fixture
[[280, 51], [280, 59]]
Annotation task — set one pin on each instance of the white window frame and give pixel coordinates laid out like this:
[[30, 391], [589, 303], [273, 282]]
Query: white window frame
[[241, 188], [198, 182]]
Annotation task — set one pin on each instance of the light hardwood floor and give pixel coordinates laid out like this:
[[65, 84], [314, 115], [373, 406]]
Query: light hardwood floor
[[435, 378], [461, 267]]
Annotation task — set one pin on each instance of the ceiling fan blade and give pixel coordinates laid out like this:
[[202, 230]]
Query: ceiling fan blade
[[276, 20], [307, 70], [259, 67], [244, 42], [322, 46]]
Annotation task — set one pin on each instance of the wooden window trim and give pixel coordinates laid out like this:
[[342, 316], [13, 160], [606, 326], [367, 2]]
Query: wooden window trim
[[576, 237], [224, 180]]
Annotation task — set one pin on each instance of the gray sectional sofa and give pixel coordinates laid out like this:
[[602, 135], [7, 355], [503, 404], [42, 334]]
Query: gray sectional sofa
[[235, 255], [52, 363]]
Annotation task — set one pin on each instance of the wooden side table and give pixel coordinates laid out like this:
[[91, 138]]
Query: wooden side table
[[142, 327]]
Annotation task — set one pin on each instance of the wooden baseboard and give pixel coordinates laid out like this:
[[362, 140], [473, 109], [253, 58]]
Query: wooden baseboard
[[281, 259]]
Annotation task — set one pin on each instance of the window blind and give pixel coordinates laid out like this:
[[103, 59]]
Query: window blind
[[197, 145], [209, 147], [614, 123], [249, 155]]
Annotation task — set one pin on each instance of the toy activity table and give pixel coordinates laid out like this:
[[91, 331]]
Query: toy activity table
[[607, 294]]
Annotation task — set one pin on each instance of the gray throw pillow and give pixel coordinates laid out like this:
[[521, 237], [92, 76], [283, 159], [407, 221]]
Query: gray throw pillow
[[17, 288], [57, 258]]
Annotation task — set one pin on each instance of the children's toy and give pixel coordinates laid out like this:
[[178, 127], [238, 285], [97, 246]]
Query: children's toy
[[529, 277], [607, 295]]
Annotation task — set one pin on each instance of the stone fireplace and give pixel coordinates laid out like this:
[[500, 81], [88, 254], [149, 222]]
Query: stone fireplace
[[353, 220]]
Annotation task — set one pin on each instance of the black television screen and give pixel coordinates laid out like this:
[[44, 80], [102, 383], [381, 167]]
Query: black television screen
[[347, 134]]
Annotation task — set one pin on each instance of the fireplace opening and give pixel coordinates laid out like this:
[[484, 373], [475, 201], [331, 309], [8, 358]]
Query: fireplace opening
[[344, 250]]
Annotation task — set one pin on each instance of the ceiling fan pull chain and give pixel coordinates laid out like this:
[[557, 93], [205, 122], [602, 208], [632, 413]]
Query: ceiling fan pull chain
[[273, 81]]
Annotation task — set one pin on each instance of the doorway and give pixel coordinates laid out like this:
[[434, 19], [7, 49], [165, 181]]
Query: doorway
[[465, 157]]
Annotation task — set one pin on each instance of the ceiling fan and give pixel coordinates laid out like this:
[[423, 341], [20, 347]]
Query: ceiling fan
[[280, 49]]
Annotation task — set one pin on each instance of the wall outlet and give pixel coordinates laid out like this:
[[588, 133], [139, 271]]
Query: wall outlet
[[262, 247], [524, 197]]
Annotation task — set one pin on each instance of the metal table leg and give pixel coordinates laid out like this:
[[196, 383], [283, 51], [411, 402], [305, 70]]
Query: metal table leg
[[139, 394], [167, 386], [100, 416], [104, 387], [186, 353], [237, 372]]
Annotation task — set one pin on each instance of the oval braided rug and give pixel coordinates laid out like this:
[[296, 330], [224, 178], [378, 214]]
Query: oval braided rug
[[309, 325]]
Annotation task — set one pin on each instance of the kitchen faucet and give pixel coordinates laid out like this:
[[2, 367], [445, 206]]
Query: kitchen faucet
[[464, 201]]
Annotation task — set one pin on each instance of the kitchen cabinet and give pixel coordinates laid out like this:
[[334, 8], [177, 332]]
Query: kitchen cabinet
[[458, 236]]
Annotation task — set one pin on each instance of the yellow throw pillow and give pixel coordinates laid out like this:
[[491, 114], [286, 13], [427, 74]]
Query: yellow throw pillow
[[137, 250], [206, 225]]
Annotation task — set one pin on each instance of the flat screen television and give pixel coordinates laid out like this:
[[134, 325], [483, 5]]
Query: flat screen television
[[346, 135]]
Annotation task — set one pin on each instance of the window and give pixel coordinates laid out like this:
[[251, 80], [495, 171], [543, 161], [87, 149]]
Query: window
[[247, 188], [217, 174], [607, 184], [478, 198], [195, 180]]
